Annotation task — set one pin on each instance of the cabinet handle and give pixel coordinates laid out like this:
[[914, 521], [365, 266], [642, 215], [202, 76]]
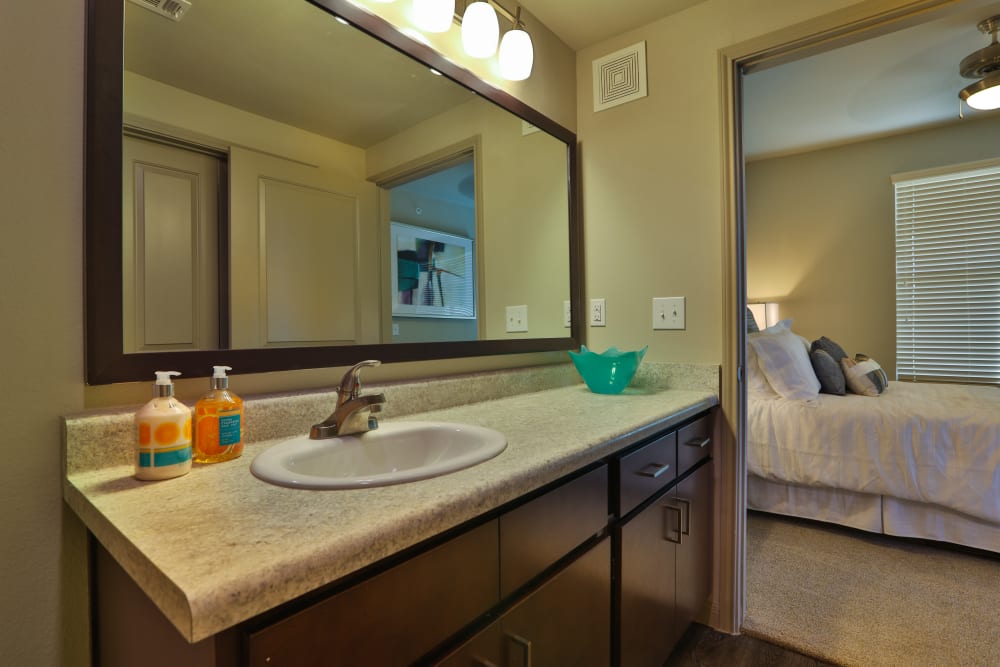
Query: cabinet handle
[[667, 529], [699, 443], [525, 646], [653, 469], [685, 525]]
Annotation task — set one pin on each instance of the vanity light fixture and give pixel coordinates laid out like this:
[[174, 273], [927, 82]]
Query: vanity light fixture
[[480, 30], [985, 93], [517, 55], [433, 15]]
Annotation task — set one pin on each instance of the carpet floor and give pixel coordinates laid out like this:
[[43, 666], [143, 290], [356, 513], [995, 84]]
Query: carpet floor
[[854, 598]]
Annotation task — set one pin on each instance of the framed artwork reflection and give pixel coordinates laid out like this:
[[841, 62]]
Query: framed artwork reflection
[[433, 273]]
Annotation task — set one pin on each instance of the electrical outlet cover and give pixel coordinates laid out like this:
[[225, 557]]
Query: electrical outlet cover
[[517, 319], [598, 314]]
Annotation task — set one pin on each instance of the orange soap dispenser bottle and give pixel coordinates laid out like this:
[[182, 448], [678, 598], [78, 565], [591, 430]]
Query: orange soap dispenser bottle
[[218, 421]]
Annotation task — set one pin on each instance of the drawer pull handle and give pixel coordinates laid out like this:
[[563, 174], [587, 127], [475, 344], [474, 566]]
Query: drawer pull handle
[[698, 443], [668, 524], [524, 645], [653, 469], [685, 525]]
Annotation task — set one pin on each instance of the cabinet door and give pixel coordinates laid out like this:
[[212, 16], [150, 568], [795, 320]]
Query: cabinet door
[[648, 556], [565, 622], [694, 553], [396, 616]]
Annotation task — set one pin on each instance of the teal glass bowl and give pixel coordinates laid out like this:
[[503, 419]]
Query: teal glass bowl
[[608, 372]]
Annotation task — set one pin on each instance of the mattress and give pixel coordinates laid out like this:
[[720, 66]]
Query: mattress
[[931, 444]]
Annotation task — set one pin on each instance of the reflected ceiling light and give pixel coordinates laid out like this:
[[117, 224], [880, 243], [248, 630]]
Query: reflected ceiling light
[[433, 15], [516, 52], [985, 93], [480, 30]]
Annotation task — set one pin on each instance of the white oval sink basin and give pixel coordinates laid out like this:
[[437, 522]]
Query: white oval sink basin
[[394, 453]]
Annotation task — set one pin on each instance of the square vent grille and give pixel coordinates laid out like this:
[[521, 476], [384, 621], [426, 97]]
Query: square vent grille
[[620, 77], [172, 9]]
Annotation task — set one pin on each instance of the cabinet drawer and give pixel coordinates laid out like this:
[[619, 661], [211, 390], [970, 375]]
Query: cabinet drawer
[[540, 532], [646, 470], [394, 617], [694, 442]]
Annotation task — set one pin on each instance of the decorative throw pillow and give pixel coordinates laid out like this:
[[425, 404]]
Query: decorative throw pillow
[[864, 376], [828, 372], [785, 362], [835, 351]]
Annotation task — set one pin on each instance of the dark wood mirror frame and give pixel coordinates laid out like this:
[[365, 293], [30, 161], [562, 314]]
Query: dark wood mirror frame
[[105, 360]]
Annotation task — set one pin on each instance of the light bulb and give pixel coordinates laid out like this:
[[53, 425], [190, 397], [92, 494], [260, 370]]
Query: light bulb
[[516, 55], [480, 30], [433, 15]]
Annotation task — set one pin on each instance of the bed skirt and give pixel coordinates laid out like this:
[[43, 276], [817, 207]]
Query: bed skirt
[[876, 514]]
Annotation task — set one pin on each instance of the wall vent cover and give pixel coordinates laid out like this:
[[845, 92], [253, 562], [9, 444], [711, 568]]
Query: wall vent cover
[[620, 77], [172, 9]]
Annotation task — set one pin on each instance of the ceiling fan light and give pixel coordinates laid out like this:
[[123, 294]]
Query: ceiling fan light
[[433, 15], [516, 55], [983, 95], [480, 30]]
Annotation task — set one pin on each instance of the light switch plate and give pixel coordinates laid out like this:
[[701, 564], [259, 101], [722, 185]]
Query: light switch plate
[[567, 314], [598, 316], [668, 312], [517, 319], [395, 328]]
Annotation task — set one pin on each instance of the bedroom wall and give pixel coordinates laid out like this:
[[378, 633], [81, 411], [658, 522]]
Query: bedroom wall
[[820, 230]]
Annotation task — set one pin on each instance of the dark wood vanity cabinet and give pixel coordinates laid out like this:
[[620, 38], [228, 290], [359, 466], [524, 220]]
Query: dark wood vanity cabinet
[[607, 566], [665, 543]]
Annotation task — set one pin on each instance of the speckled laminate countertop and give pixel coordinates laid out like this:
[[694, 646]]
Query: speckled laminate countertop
[[173, 536]]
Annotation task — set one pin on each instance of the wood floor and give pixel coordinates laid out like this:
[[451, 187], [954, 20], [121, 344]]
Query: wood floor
[[703, 647]]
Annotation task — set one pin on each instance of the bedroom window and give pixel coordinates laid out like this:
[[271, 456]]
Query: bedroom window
[[948, 274]]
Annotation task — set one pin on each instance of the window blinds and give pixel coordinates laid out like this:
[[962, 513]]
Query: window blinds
[[948, 275]]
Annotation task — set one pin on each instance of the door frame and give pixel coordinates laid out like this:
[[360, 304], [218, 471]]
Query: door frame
[[866, 19]]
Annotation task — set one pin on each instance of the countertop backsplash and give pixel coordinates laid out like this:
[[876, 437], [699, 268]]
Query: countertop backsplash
[[101, 438]]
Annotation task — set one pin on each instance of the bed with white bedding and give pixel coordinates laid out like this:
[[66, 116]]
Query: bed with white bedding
[[919, 460]]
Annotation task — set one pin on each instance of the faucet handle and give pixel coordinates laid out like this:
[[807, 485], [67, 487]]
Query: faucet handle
[[350, 384]]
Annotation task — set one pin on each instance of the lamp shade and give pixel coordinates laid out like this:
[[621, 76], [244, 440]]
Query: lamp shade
[[480, 30], [766, 314], [983, 95], [433, 15], [516, 55]]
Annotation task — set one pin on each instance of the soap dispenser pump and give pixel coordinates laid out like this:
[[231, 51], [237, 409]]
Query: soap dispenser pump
[[163, 433], [218, 421]]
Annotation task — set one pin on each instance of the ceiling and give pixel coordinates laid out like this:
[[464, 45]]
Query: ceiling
[[899, 82], [893, 83], [580, 23], [896, 83]]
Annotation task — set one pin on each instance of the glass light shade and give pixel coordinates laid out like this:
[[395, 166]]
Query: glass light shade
[[480, 30], [983, 95], [433, 15], [516, 55]]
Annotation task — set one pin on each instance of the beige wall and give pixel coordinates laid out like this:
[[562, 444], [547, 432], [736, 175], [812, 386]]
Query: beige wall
[[652, 177], [820, 237], [652, 186]]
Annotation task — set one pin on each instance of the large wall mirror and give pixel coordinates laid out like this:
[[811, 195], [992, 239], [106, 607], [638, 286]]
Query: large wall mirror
[[272, 188]]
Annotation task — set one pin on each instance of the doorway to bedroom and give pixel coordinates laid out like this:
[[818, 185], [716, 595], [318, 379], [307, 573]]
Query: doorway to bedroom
[[822, 137]]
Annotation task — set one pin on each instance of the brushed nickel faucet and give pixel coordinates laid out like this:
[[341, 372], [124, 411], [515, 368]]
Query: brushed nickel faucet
[[354, 413]]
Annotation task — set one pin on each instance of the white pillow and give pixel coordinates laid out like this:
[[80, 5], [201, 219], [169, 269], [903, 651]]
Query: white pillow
[[785, 362], [757, 385]]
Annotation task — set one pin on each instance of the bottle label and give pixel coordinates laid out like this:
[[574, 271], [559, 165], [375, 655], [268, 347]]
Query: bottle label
[[163, 456], [229, 429], [163, 441]]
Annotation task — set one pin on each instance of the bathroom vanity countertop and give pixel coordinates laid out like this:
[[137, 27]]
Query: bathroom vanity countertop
[[218, 546]]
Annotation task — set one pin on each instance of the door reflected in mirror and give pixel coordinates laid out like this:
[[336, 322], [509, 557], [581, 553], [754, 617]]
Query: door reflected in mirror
[[289, 181]]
